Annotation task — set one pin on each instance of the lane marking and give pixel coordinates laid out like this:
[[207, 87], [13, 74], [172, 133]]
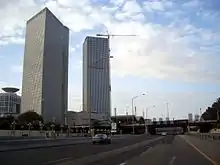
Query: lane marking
[[57, 161], [172, 160], [123, 163], [104, 154], [202, 153]]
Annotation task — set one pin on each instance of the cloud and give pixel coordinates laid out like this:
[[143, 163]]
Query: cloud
[[17, 68], [132, 7], [165, 52], [176, 50], [122, 99], [117, 2], [192, 3], [157, 5], [131, 10], [72, 50], [12, 20], [77, 15]]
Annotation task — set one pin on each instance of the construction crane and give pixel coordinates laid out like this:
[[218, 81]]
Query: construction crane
[[114, 35], [108, 37]]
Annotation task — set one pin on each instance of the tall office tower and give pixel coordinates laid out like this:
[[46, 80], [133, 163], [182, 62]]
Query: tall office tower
[[96, 76], [45, 70]]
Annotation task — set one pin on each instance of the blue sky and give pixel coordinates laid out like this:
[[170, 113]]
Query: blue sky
[[174, 58]]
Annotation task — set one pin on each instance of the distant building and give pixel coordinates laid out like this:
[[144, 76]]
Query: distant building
[[45, 71], [167, 119], [96, 76], [128, 119], [196, 117], [160, 119], [154, 119], [148, 121], [190, 117], [10, 102], [81, 118]]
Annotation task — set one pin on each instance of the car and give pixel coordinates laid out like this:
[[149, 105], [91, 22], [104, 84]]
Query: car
[[101, 139], [163, 133]]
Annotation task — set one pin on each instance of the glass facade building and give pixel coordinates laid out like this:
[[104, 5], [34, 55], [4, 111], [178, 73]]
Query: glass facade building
[[96, 76], [10, 103]]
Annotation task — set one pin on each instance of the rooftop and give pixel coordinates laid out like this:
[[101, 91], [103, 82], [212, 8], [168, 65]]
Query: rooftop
[[10, 89]]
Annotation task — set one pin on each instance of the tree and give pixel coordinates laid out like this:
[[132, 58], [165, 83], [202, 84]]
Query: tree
[[211, 112], [6, 122], [29, 117]]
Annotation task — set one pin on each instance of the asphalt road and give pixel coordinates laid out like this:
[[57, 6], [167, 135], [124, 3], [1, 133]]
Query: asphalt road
[[173, 150], [53, 155]]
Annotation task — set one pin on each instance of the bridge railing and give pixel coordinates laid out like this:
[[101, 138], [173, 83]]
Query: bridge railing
[[207, 136]]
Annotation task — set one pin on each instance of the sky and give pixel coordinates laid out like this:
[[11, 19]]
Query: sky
[[174, 57]]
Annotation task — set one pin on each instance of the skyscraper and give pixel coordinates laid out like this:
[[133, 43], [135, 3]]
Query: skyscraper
[[45, 70], [96, 76]]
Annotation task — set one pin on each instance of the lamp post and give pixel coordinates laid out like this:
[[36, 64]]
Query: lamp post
[[41, 126], [29, 128], [94, 66], [13, 128], [132, 107]]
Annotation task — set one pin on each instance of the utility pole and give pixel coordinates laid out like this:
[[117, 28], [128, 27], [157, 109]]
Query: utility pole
[[115, 114], [168, 110]]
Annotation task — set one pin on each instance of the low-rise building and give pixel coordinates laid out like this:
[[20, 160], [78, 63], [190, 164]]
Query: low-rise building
[[10, 102], [81, 118]]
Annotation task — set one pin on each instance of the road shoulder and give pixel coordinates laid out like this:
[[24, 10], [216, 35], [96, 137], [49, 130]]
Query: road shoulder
[[209, 148]]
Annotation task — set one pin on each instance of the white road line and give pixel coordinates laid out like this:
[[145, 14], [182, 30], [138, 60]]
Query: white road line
[[199, 151], [172, 160], [123, 163], [57, 161]]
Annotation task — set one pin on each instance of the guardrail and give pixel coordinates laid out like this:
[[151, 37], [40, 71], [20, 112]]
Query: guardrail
[[212, 136], [207, 136]]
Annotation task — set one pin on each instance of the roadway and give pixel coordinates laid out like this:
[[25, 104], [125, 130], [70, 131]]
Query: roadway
[[53, 155], [172, 150]]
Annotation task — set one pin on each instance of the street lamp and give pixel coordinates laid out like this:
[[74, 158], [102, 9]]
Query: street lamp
[[132, 107], [29, 128], [13, 128], [90, 102], [41, 126]]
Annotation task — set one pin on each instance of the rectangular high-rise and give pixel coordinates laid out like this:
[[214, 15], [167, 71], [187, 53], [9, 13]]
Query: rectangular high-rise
[[45, 68], [96, 76]]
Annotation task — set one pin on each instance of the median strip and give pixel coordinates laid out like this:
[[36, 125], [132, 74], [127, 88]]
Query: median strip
[[39, 146]]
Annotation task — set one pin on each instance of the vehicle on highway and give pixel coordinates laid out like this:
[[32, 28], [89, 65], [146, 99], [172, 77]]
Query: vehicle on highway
[[101, 139], [163, 133]]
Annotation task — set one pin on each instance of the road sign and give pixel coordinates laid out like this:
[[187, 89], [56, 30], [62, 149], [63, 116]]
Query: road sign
[[113, 127]]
